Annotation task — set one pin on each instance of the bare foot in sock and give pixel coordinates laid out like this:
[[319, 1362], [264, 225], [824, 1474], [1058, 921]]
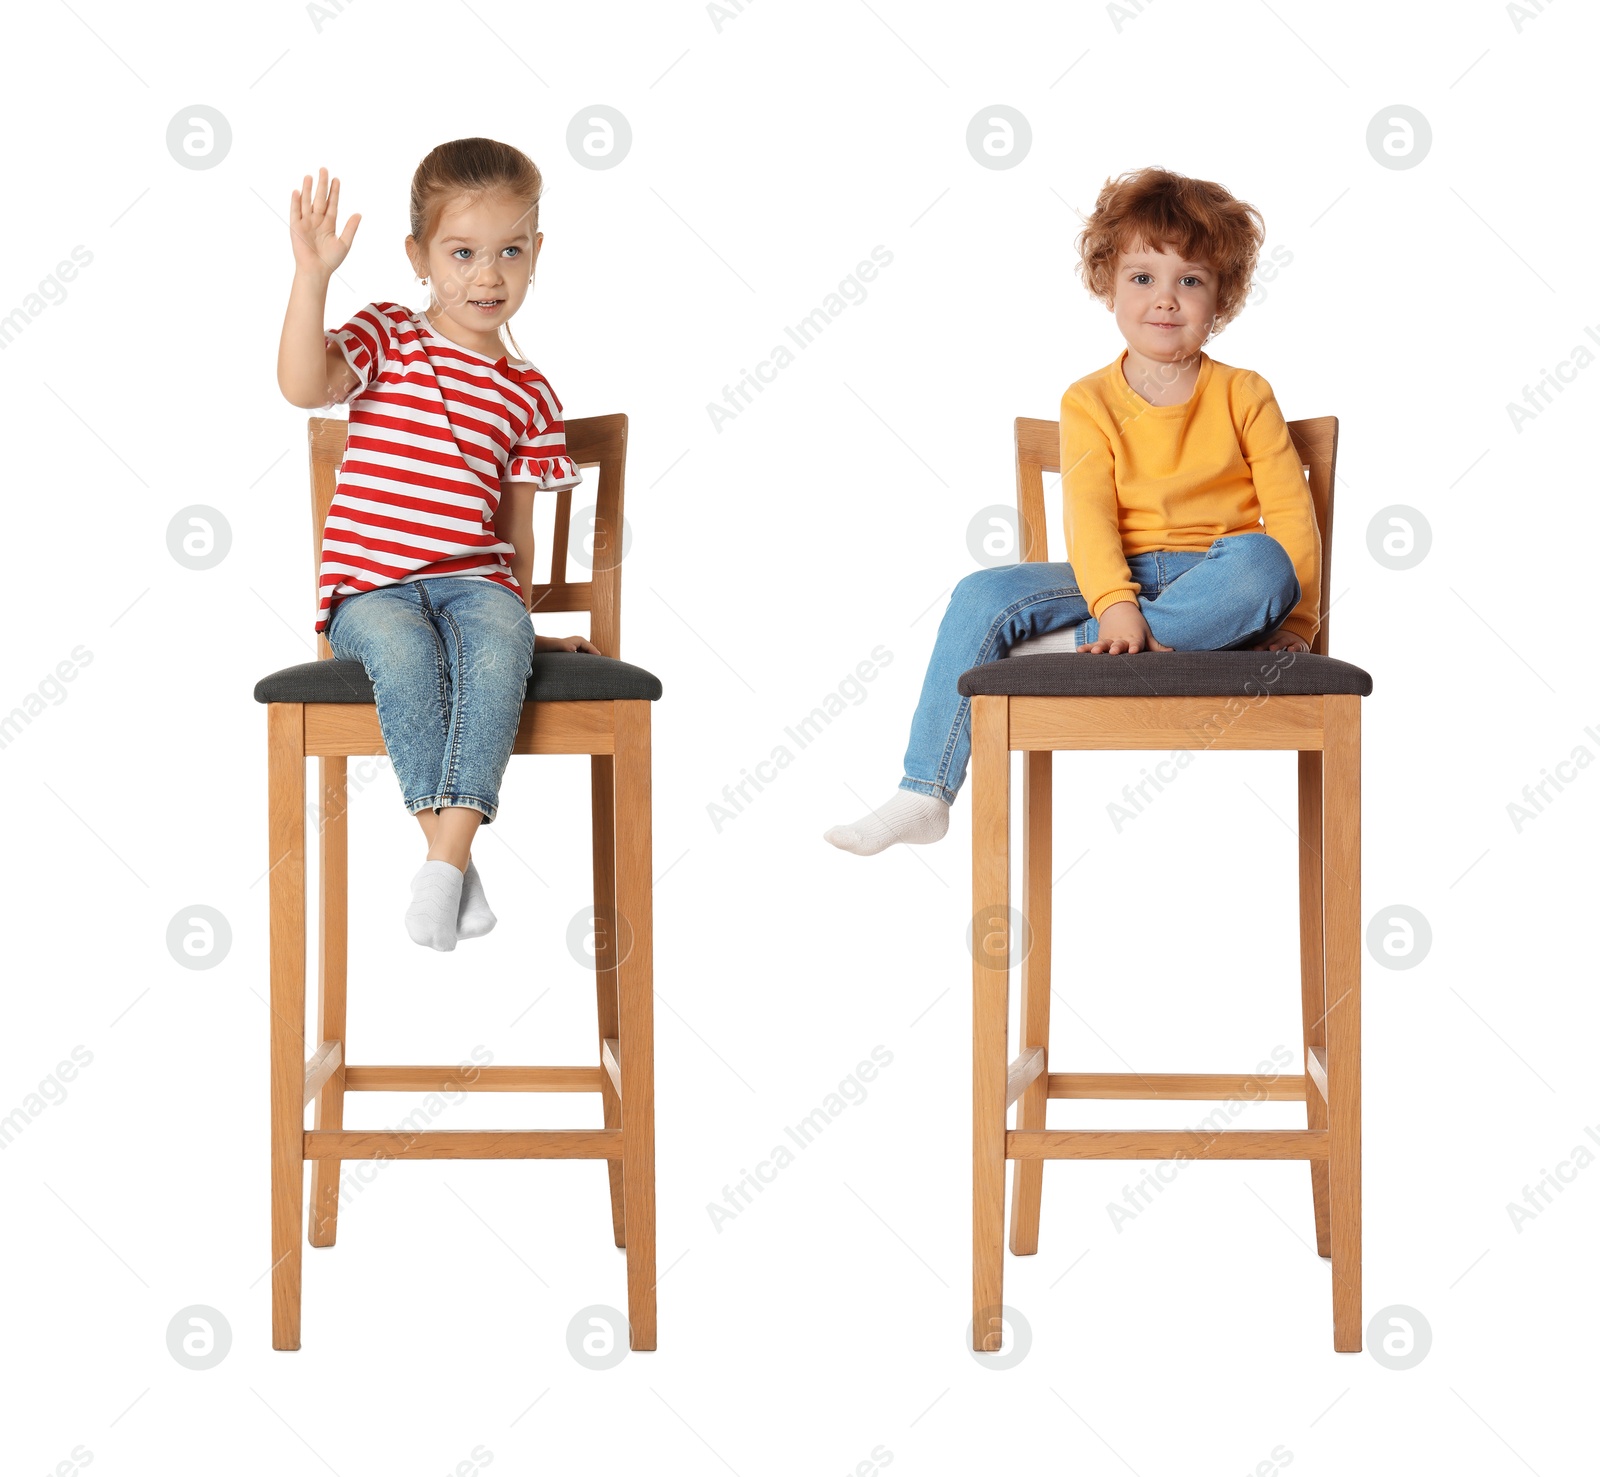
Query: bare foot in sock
[[435, 901], [475, 919], [909, 816]]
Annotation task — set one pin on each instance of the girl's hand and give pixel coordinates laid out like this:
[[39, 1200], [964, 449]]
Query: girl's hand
[[1282, 641], [312, 217], [1123, 628], [565, 643]]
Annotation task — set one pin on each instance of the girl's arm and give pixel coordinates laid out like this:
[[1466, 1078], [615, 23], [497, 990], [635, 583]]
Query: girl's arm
[[312, 374], [513, 521]]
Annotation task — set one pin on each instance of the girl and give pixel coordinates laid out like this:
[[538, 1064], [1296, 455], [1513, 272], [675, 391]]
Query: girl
[[1188, 520], [427, 552]]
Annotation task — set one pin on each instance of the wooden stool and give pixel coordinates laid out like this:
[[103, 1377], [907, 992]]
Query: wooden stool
[[1157, 700], [577, 703]]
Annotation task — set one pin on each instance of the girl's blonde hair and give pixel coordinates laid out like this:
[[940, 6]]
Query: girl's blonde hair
[[1194, 216], [473, 167]]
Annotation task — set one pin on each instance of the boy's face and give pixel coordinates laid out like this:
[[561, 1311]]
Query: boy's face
[[480, 251], [1156, 288]]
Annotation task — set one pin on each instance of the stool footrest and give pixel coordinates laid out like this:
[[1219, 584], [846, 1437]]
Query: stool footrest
[[1183, 1086], [1232, 1143], [464, 1143], [472, 1078]]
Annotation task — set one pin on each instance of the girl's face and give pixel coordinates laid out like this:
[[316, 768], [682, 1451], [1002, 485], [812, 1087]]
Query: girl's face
[[479, 266], [1165, 306]]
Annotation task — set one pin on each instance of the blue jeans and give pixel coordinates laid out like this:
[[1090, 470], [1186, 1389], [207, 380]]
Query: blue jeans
[[1234, 594], [449, 661]]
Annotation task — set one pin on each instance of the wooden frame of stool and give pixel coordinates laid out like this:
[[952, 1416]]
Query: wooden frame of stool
[[1326, 733], [616, 736]]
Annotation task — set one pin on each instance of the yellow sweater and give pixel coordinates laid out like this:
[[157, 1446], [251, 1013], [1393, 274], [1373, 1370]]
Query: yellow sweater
[[1138, 477]]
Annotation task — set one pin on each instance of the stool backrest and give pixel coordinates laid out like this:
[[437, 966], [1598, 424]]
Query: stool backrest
[[596, 441], [1039, 451]]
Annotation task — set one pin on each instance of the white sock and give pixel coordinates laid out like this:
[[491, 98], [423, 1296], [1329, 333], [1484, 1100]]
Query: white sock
[[909, 816], [475, 919], [435, 901], [1066, 639]]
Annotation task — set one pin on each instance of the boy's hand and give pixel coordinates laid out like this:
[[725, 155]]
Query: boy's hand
[[1123, 628], [1282, 641], [312, 217], [565, 643]]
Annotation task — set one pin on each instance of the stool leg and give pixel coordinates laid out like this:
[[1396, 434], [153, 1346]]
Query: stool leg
[[1341, 890], [1027, 1175], [635, 1000], [603, 809], [1313, 998], [333, 940], [991, 948], [286, 838]]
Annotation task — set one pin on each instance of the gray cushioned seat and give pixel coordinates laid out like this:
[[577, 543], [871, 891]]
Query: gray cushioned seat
[[557, 677], [1164, 674]]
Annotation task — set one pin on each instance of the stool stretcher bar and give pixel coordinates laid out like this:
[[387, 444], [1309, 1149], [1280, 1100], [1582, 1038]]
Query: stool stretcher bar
[[1182, 1086], [1230, 1143], [484, 1079], [464, 1143]]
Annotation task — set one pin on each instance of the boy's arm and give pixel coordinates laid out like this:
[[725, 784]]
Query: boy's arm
[[1287, 512], [1089, 511]]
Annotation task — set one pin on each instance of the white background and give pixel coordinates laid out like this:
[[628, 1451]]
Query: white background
[[771, 152]]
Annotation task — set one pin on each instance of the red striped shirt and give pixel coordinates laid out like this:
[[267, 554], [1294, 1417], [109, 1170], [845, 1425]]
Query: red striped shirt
[[435, 428]]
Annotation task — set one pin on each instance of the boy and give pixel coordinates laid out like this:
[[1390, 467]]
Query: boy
[[1189, 524]]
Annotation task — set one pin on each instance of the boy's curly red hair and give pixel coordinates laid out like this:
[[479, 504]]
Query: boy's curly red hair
[[1155, 207]]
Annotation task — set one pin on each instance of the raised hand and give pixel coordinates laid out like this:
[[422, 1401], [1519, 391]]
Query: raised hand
[[313, 215]]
